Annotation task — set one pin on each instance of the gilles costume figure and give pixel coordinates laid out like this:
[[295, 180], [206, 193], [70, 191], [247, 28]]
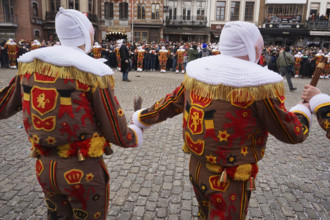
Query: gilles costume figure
[[71, 116], [97, 50], [12, 50], [230, 105], [163, 55]]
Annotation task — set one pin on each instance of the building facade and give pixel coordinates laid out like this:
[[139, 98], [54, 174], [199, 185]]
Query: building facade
[[91, 8], [223, 11], [140, 20], [8, 19], [284, 22], [186, 20], [318, 23]]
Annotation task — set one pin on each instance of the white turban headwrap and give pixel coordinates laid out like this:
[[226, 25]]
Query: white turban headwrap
[[74, 29], [239, 39]]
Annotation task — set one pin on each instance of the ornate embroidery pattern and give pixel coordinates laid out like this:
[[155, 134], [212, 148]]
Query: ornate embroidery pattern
[[196, 147], [46, 124], [43, 99]]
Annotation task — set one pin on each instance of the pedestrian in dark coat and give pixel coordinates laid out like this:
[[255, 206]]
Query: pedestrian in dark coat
[[305, 67], [124, 56]]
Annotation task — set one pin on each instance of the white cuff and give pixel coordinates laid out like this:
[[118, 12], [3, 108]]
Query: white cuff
[[301, 109], [318, 100], [136, 120], [139, 134]]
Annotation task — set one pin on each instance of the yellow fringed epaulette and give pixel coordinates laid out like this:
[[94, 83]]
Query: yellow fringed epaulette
[[66, 72], [230, 93]]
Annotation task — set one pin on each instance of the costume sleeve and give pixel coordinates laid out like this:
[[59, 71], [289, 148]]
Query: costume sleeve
[[320, 105], [169, 106], [112, 120], [287, 126], [10, 99]]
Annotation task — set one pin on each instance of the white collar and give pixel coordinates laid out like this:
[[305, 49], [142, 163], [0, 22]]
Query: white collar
[[230, 71], [68, 56]]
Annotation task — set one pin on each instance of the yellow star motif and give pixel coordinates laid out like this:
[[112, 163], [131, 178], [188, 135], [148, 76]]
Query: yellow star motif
[[51, 140], [35, 139], [244, 150], [120, 112], [223, 135], [326, 124], [97, 215], [89, 177], [211, 159]]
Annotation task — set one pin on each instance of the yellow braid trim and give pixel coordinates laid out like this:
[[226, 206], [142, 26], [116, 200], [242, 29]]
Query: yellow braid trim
[[229, 93], [243, 172], [215, 168], [63, 151], [65, 72], [96, 146]]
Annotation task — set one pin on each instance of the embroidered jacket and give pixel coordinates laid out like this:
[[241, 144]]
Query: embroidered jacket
[[228, 112], [63, 105], [320, 105]]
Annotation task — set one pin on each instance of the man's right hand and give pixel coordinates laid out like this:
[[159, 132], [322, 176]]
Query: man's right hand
[[309, 92]]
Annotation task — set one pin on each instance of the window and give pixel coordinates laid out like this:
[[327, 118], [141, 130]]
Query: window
[[174, 14], [249, 9], [170, 13], [90, 6], [8, 10], [315, 7], [188, 14], [141, 36], [220, 11], [200, 14], [54, 5], [184, 14], [35, 8], [123, 10], [36, 32], [108, 10], [74, 4], [234, 11], [155, 11], [141, 11]]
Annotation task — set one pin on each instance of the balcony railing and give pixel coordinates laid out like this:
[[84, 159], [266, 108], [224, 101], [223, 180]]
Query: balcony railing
[[50, 16], [186, 20], [8, 19], [318, 25]]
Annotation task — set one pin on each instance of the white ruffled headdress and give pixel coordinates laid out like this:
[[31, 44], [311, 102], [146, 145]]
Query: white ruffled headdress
[[239, 39], [74, 29]]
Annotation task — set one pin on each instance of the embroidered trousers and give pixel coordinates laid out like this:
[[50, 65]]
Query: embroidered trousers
[[218, 200], [74, 189]]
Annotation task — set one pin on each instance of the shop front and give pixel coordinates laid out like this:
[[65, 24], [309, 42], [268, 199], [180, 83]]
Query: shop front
[[284, 34], [186, 34]]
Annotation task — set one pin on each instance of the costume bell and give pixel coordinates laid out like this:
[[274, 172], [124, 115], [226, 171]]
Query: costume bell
[[229, 107], [71, 116]]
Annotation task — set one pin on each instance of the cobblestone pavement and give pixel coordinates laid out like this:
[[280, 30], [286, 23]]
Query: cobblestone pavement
[[151, 182]]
